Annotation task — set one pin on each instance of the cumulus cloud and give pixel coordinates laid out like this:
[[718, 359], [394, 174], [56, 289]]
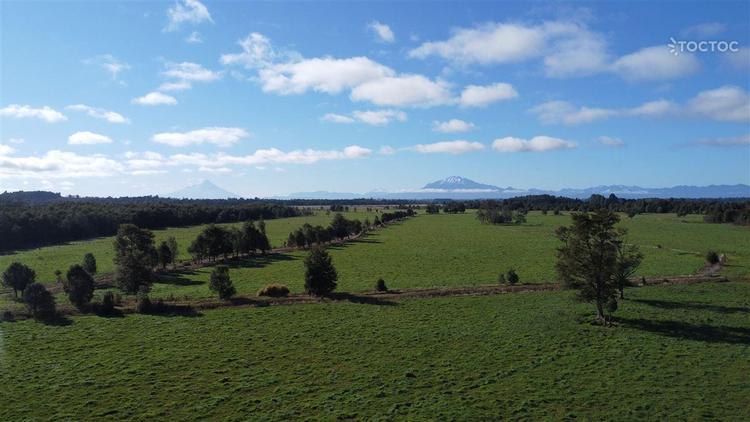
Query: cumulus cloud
[[288, 73], [109, 63], [187, 71], [535, 144], [610, 142], [383, 31], [186, 11], [655, 63], [155, 98], [45, 113], [403, 91], [88, 138], [740, 59], [567, 48], [6, 150], [219, 136], [387, 150], [563, 112], [452, 126], [99, 113], [58, 165], [481, 96], [725, 104], [448, 147], [370, 117]]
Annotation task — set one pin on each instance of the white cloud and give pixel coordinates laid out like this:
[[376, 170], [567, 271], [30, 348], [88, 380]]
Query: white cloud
[[17, 141], [356, 151], [556, 112], [370, 117], [568, 49], [387, 150], [187, 71], [383, 31], [288, 73], [403, 91], [726, 104], [448, 147], [535, 144], [734, 141], [155, 98], [190, 11], [194, 38], [654, 108], [337, 118], [6, 150], [452, 126], [481, 96], [219, 136], [327, 74], [99, 113], [655, 63], [59, 165], [610, 142], [109, 63], [704, 30], [88, 138], [45, 113], [175, 86]]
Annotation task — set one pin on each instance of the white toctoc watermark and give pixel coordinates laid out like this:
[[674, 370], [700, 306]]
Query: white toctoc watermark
[[707, 46]]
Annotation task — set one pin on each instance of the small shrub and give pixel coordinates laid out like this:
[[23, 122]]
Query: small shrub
[[107, 306], [643, 281], [512, 276], [380, 285], [221, 283], [274, 290], [712, 257], [143, 303], [658, 246], [501, 278]]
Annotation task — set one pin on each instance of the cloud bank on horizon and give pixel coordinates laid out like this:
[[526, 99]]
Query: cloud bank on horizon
[[348, 98]]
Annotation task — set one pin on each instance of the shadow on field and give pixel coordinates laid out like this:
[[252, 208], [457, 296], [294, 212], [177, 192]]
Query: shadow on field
[[363, 300], [167, 310], [178, 278], [666, 304], [258, 261], [58, 321], [683, 330]]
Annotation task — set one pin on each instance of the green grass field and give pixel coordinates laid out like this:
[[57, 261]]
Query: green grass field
[[456, 250], [433, 250], [48, 259], [678, 353]]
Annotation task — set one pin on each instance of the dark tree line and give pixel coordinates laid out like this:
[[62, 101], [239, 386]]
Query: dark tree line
[[340, 228], [215, 241], [24, 226]]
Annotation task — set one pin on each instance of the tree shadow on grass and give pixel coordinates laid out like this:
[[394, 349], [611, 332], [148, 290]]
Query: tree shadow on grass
[[169, 310], [360, 299], [686, 331], [666, 304], [259, 261], [57, 321], [177, 278]]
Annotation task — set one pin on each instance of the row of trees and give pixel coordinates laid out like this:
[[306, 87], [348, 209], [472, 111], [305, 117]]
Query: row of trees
[[215, 241], [23, 225], [339, 228]]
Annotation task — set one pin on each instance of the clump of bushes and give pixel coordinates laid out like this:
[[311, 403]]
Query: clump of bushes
[[501, 278], [143, 303], [107, 307], [380, 285], [39, 301], [7, 316], [274, 290], [712, 257]]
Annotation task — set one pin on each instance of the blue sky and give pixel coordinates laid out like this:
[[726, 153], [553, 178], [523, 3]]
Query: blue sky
[[269, 98]]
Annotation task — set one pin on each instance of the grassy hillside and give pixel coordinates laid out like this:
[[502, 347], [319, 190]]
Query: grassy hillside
[[679, 352]]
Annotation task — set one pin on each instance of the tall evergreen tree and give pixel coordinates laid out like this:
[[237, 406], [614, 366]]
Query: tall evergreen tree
[[320, 275]]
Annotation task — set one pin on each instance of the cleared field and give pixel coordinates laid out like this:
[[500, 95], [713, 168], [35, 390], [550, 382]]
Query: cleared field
[[456, 250], [678, 352], [48, 259]]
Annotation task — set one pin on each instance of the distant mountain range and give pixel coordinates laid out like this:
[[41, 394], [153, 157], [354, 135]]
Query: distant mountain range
[[457, 187], [204, 190]]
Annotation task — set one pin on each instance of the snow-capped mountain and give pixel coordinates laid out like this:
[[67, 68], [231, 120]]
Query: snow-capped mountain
[[459, 183]]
